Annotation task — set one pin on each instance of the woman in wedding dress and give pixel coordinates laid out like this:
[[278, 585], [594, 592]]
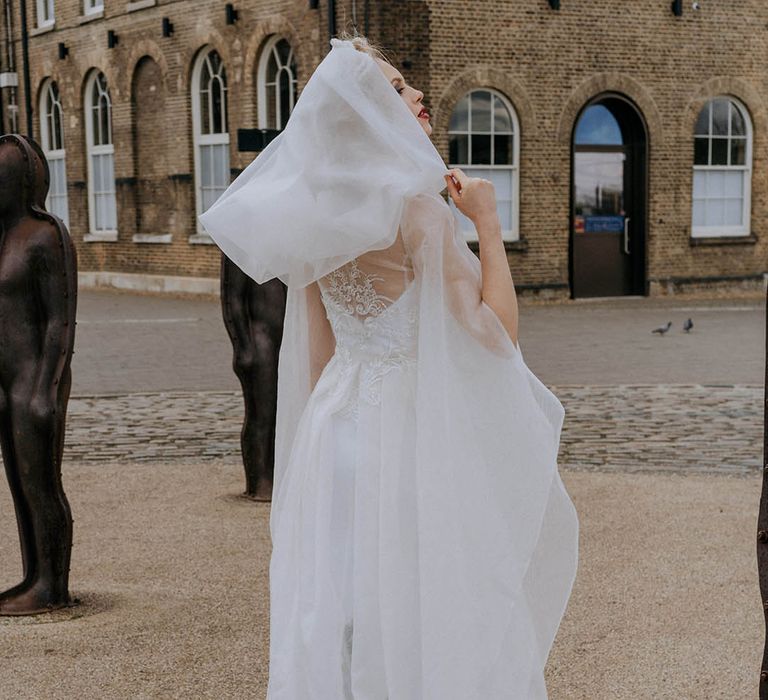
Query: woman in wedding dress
[[424, 545]]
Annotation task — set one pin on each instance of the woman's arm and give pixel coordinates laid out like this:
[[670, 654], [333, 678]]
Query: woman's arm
[[322, 343], [476, 199]]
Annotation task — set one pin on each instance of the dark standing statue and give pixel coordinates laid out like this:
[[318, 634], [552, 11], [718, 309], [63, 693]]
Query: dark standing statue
[[253, 314], [38, 296]]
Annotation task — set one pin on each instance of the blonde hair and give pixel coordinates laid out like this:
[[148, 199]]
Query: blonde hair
[[362, 43]]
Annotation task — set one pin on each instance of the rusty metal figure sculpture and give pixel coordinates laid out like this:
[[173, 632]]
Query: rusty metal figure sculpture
[[762, 525], [38, 296], [253, 315]]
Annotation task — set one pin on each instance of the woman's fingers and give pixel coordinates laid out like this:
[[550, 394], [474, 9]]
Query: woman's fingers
[[460, 175], [452, 189]]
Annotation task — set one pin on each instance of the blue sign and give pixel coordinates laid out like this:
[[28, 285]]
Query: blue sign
[[603, 224]]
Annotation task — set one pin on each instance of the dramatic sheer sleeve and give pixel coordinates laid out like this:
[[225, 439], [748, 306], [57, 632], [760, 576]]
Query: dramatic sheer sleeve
[[498, 533], [307, 346], [437, 248]]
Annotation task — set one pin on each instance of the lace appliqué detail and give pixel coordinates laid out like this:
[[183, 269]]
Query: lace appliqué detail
[[374, 335], [352, 290]]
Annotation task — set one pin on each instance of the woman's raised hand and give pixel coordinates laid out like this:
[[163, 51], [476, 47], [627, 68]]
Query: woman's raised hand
[[475, 197]]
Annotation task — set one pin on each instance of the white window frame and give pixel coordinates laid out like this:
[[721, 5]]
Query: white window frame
[[200, 140], [93, 7], [479, 170], [53, 155], [745, 228], [269, 53], [45, 7], [93, 150]]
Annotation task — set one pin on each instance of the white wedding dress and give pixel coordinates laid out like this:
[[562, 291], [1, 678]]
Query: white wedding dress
[[423, 548]]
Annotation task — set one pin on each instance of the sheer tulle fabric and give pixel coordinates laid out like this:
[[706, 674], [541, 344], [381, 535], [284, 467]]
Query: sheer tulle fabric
[[349, 154], [424, 547], [417, 512]]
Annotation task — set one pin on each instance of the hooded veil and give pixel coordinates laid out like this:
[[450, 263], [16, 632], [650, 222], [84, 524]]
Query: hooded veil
[[465, 539]]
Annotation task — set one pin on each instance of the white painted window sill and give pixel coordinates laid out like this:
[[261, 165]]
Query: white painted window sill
[[201, 239], [100, 237], [43, 29], [90, 16], [139, 5], [151, 238]]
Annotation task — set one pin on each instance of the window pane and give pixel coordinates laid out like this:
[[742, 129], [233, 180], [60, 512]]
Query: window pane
[[481, 149], [738, 152], [481, 111], [699, 184], [205, 115], [206, 166], [502, 182], [104, 114], [283, 51], [272, 67], [715, 212], [715, 183], [733, 185], [99, 213], [221, 165], [217, 101], [503, 153], [460, 115], [720, 110], [285, 90], [701, 151], [458, 149], [270, 95], [719, 151], [598, 126], [738, 127], [699, 212], [502, 121], [702, 122], [734, 209], [96, 173], [58, 129], [109, 173], [504, 209]]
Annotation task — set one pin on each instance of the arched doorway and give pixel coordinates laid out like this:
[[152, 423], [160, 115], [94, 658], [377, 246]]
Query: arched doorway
[[609, 169]]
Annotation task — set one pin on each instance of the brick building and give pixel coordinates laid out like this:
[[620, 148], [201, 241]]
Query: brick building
[[627, 142]]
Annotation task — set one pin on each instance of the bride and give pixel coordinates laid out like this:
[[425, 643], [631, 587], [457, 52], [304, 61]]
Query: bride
[[423, 544]]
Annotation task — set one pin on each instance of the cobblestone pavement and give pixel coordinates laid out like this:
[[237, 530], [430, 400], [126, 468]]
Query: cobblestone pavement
[[628, 427]]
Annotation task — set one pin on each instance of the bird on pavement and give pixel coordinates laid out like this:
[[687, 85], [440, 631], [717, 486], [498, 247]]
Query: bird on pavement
[[661, 330], [687, 325]]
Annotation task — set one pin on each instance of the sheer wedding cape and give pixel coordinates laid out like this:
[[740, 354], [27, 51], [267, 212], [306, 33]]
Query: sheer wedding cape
[[465, 539]]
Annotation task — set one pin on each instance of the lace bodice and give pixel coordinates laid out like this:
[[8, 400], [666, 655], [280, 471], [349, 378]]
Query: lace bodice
[[375, 333]]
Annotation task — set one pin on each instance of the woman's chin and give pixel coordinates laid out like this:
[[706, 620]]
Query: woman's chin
[[426, 126]]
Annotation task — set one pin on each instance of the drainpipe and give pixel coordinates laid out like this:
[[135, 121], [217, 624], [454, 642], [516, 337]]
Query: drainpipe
[[331, 18], [25, 61]]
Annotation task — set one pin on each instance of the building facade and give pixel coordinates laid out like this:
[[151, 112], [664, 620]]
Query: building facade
[[627, 143]]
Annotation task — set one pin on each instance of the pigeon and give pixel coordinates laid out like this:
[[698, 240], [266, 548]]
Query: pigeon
[[661, 330], [687, 325]]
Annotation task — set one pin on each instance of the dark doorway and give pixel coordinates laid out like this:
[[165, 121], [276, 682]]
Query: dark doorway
[[608, 199]]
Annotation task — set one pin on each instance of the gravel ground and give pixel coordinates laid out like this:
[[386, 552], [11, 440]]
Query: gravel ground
[[172, 571]]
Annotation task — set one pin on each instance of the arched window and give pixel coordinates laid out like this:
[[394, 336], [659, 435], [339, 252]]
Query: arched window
[[276, 83], [102, 202], [44, 13], [484, 141], [722, 169], [211, 134], [52, 138]]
